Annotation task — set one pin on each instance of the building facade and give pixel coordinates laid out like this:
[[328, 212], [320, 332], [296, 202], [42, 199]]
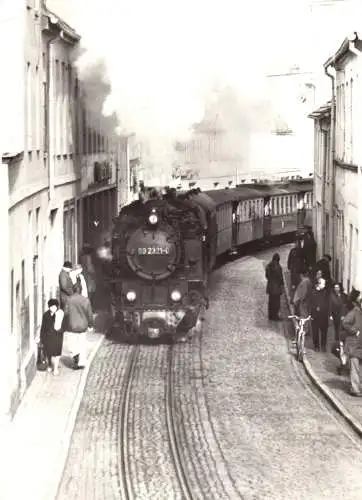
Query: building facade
[[63, 176], [338, 220]]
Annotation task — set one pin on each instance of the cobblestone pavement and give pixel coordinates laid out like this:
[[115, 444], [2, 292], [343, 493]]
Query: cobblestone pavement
[[33, 446], [278, 438], [205, 464]]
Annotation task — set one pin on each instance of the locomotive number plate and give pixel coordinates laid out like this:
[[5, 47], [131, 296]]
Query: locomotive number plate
[[153, 251]]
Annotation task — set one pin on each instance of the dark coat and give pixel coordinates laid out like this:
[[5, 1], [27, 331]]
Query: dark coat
[[89, 272], [274, 275], [296, 260], [338, 305], [78, 313], [351, 324], [51, 339], [65, 287], [310, 249], [320, 303]]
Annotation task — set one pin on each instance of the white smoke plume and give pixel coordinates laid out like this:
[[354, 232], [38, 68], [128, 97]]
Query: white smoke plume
[[165, 58]]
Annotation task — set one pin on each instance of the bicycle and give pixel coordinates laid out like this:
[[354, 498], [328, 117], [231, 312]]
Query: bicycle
[[300, 335]]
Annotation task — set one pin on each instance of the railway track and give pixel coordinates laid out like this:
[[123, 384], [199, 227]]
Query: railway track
[[174, 442], [183, 449], [124, 472], [129, 482]]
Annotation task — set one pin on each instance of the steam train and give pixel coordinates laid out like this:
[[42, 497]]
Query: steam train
[[164, 248]]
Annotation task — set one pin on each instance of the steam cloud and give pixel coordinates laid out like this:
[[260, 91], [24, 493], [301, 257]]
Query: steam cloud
[[167, 62]]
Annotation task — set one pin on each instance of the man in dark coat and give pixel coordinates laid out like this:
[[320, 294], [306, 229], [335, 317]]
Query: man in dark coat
[[65, 283], [310, 248], [320, 314], [296, 264], [274, 276]]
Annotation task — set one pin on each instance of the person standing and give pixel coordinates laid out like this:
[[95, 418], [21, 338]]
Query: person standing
[[51, 334], [295, 264], [274, 276], [310, 249], [352, 324], [78, 278], [65, 283], [302, 297], [89, 272], [323, 265], [320, 314], [338, 308], [79, 317]]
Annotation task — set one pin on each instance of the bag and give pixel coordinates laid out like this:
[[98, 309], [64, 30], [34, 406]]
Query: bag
[[41, 362], [336, 349]]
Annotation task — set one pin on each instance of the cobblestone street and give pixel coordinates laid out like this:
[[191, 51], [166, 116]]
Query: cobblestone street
[[278, 438], [248, 424]]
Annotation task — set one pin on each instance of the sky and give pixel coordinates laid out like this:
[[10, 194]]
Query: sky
[[165, 59]]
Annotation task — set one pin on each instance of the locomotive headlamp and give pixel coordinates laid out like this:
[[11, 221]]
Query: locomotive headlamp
[[153, 219], [176, 296], [131, 296]]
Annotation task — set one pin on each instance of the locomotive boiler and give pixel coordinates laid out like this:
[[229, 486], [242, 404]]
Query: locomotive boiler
[[162, 255]]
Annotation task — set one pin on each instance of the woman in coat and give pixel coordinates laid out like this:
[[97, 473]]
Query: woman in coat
[[352, 324], [320, 314], [274, 289], [51, 334], [338, 308]]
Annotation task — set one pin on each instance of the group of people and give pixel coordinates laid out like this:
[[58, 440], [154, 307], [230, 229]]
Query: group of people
[[73, 313], [315, 294]]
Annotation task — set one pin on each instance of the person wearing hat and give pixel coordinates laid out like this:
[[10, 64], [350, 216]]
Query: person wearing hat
[[274, 276], [320, 314], [51, 334], [65, 283]]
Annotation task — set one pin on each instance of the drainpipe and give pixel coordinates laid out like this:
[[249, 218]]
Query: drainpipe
[[332, 154]]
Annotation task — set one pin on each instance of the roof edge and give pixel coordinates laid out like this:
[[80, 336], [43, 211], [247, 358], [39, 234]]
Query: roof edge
[[343, 50], [58, 23]]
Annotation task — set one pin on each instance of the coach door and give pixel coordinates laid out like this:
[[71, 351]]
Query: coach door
[[234, 230], [267, 217]]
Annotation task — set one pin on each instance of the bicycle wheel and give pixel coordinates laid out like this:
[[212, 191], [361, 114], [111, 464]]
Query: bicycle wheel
[[297, 346], [301, 347]]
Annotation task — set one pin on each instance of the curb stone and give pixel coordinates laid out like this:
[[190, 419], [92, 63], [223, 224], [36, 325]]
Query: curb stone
[[327, 393], [64, 449]]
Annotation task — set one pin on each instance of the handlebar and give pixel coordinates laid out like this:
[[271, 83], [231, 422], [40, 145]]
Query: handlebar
[[302, 320]]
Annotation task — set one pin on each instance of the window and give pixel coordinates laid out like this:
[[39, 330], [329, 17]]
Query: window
[[351, 106], [69, 230], [29, 106], [35, 291], [350, 256], [12, 300]]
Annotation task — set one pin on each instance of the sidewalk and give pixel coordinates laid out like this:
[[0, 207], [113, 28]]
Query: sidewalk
[[322, 370], [34, 446]]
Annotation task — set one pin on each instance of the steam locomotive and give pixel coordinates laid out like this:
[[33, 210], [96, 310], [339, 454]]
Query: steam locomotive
[[164, 249]]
